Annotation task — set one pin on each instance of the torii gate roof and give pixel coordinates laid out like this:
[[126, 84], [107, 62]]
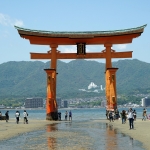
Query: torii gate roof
[[89, 37]]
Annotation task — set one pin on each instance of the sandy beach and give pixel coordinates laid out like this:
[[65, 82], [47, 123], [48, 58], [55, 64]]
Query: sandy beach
[[140, 132]]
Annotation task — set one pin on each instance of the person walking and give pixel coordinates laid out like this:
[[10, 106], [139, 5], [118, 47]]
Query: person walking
[[70, 115], [25, 114], [0, 115], [144, 115], [110, 116], [123, 116], [7, 115], [131, 119], [59, 116], [17, 116], [116, 114], [66, 115], [134, 114]]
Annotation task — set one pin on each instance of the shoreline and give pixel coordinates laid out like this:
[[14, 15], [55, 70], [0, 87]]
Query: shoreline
[[139, 133]]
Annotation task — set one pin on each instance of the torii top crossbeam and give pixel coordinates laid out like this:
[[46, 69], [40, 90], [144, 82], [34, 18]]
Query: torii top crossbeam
[[89, 37]]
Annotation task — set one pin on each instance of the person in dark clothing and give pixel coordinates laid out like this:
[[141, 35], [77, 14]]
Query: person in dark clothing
[[7, 115], [117, 114], [70, 115], [111, 116], [134, 114], [0, 115], [123, 116], [59, 116]]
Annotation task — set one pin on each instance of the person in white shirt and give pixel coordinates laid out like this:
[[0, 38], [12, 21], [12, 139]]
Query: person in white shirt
[[131, 118], [25, 114], [17, 116]]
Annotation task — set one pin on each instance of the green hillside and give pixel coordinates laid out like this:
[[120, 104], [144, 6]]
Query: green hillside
[[28, 78]]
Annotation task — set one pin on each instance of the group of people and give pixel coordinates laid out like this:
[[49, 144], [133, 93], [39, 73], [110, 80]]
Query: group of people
[[17, 115], [70, 115], [125, 115], [25, 114], [66, 115], [113, 115], [129, 115]]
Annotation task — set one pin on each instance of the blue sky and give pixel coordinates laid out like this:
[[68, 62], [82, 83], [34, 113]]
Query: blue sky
[[71, 15]]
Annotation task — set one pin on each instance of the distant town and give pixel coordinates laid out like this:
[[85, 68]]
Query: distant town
[[95, 102]]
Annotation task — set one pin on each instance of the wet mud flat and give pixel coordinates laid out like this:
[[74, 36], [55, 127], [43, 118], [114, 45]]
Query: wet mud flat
[[75, 135]]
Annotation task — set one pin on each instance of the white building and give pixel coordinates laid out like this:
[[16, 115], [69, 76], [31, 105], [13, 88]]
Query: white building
[[146, 102], [2, 106], [143, 102]]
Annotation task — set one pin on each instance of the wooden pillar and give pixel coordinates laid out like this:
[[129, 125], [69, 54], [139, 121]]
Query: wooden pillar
[[51, 103], [111, 93], [107, 88]]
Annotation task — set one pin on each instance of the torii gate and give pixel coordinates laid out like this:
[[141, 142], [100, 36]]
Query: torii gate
[[81, 39]]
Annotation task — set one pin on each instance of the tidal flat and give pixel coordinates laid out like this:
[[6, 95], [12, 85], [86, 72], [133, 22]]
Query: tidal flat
[[74, 135]]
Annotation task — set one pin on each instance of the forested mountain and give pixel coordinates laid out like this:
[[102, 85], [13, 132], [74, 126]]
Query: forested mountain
[[28, 78]]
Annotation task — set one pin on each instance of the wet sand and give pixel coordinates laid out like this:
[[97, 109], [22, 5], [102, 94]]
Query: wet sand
[[11, 129], [140, 132]]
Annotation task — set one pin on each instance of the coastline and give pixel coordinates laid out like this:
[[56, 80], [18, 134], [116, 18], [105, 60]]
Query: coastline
[[141, 131]]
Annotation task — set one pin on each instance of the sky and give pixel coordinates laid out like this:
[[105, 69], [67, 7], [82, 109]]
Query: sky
[[72, 15]]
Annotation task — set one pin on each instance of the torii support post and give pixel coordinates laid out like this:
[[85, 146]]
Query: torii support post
[[111, 94], [51, 103]]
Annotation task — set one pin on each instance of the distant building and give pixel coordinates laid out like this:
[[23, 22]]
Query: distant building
[[2, 106], [65, 104], [35, 102], [101, 88], [146, 102], [58, 102]]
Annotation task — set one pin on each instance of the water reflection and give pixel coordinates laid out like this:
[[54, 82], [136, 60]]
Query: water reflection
[[51, 141], [111, 137]]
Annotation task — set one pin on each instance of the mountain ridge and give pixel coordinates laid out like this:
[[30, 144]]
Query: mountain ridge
[[28, 78]]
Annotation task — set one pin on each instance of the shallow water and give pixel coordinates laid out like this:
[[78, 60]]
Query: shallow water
[[78, 114], [75, 135]]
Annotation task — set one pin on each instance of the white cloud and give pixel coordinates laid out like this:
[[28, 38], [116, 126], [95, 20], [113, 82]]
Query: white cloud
[[7, 21], [18, 23], [121, 46], [68, 49], [4, 19]]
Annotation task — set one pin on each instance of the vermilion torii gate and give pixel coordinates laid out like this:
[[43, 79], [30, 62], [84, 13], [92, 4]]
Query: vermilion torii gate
[[81, 39]]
